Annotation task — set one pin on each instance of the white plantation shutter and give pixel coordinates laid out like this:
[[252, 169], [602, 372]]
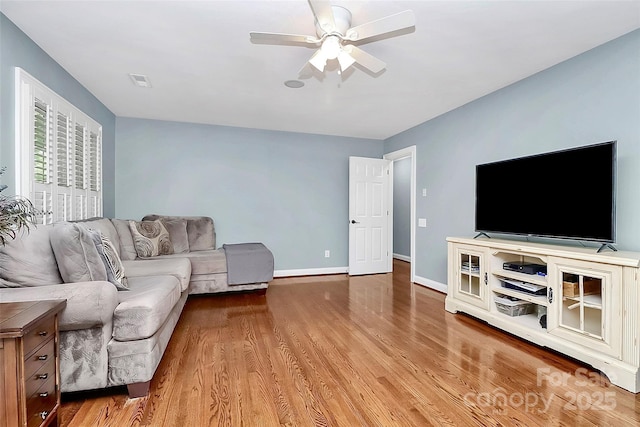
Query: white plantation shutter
[[63, 150], [79, 148], [79, 172], [42, 149], [64, 172], [95, 174], [60, 152]]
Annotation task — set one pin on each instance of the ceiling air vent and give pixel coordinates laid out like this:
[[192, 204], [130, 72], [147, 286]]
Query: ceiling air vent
[[140, 80]]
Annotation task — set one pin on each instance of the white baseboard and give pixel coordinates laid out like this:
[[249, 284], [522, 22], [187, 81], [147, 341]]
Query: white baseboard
[[402, 257], [431, 284], [423, 281], [310, 271]]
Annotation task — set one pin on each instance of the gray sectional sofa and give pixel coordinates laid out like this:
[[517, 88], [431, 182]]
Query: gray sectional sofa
[[121, 309]]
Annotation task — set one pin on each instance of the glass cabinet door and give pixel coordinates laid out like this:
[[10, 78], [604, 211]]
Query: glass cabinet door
[[582, 304], [471, 277], [587, 306]]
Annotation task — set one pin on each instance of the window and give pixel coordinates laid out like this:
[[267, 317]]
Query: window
[[58, 154]]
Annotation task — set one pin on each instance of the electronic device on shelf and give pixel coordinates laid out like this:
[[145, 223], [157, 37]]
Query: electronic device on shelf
[[526, 287], [525, 267]]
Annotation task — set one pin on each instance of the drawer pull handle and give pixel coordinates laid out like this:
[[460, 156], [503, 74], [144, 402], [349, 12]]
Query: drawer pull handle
[[44, 414], [43, 376], [43, 333], [45, 394], [43, 357]]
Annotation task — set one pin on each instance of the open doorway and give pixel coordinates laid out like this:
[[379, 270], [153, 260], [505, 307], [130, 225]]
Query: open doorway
[[403, 178], [402, 209]]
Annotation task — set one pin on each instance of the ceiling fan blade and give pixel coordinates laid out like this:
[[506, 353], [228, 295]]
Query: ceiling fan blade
[[369, 62], [396, 22], [282, 38], [324, 15]]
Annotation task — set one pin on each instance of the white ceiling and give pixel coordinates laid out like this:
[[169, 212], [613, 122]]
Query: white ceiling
[[203, 68]]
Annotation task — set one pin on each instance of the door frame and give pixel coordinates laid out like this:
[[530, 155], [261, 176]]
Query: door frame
[[408, 152]]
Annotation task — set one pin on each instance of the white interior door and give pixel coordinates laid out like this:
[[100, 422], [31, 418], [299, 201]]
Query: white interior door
[[369, 216]]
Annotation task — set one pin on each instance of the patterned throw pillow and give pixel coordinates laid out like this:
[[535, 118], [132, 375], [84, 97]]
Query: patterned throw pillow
[[150, 238], [111, 260]]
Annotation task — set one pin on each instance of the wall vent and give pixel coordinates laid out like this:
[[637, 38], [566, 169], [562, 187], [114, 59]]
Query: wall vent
[[140, 80]]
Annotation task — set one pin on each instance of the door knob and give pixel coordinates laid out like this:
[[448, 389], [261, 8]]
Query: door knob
[[353, 221]]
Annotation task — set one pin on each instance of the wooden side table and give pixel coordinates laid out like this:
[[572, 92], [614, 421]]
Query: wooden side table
[[29, 363]]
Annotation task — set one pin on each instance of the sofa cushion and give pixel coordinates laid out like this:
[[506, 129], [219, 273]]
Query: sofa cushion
[[105, 226], [89, 304], [208, 283], [205, 262], [150, 238], [127, 247], [76, 254], [174, 265], [177, 229], [29, 260], [110, 259], [201, 230], [143, 309]]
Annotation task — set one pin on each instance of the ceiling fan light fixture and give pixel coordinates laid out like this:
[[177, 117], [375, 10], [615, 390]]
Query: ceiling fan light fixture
[[331, 47], [319, 60], [345, 60]]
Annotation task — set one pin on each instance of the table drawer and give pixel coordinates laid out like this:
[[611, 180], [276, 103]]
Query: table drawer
[[41, 403], [40, 377], [35, 361], [39, 334]]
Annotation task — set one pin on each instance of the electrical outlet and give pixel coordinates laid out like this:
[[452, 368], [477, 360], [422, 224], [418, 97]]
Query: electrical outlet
[[327, 253]]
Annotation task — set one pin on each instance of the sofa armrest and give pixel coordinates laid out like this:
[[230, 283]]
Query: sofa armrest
[[89, 304]]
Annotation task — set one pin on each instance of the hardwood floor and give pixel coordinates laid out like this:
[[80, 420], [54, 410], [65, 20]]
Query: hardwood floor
[[361, 351]]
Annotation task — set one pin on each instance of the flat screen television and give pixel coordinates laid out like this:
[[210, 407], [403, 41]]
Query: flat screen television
[[568, 194]]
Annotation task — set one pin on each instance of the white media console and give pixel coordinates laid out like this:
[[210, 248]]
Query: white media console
[[591, 300]]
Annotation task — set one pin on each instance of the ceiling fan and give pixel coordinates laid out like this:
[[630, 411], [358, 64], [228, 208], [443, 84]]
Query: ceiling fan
[[336, 38]]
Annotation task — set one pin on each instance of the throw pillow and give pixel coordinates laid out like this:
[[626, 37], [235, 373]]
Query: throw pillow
[[177, 229], [127, 248], [111, 260], [29, 260], [150, 238], [76, 254], [200, 229]]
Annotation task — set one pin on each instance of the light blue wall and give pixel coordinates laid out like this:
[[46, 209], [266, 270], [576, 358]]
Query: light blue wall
[[402, 207], [594, 97], [288, 190], [18, 50]]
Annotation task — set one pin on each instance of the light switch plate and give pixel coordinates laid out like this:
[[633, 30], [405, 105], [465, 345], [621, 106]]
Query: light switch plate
[[422, 222]]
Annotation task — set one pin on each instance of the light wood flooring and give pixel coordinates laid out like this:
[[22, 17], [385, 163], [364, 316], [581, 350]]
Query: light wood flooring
[[361, 351]]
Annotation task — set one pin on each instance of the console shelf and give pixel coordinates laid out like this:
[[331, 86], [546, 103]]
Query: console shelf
[[588, 301], [530, 278], [529, 321], [535, 299]]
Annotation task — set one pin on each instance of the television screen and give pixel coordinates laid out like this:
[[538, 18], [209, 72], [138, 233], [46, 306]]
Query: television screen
[[565, 194]]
